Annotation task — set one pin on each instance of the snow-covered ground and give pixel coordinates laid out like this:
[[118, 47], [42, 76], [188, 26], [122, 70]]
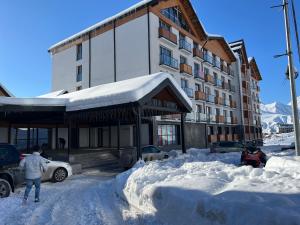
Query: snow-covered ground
[[87, 199], [195, 188], [203, 188]]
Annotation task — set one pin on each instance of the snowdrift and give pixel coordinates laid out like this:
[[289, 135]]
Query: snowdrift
[[204, 188]]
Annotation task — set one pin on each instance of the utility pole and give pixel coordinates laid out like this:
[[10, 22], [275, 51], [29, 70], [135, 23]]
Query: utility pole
[[292, 78]]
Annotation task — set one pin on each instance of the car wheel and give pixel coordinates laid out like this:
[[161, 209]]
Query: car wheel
[[59, 175], [4, 189]]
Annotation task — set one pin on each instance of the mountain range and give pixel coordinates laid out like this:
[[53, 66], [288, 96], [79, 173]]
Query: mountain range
[[276, 113]]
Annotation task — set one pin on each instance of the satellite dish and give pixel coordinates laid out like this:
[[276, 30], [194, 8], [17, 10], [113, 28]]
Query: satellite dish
[[295, 73]]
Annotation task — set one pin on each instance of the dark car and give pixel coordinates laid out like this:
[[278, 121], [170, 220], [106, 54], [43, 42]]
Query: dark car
[[288, 147], [226, 146], [253, 156], [10, 175]]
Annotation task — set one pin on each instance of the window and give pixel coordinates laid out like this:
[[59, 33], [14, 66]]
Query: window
[[198, 87], [200, 108], [166, 58], [164, 26], [210, 130], [79, 51], [79, 73], [208, 110], [167, 135], [225, 113], [176, 16], [184, 83], [183, 60], [196, 69], [206, 71], [78, 88], [219, 130]]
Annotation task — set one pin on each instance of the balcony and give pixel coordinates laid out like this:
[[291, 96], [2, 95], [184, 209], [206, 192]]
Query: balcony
[[201, 117], [168, 35], [245, 91], [227, 103], [211, 118], [185, 68], [234, 120], [216, 64], [208, 58], [189, 92], [228, 120], [198, 53], [246, 121], [258, 89], [212, 138], [246, 106], [225, 85], [183, 44], [228, 137], [219, 100], [230, 72], [217, 82], [168, 61], [199, 74], [209, 79], [199, 95], [220, 119], [235, 137], [224, 68], [210, 98], [232, 104], [221, 137]]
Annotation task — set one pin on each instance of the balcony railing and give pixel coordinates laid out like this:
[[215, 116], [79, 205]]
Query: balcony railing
[[228, 120], [167, 35], [189, 92], [183, 44], [227, 103], [212, 138], [221, 137], [199, 74], [199, 95], [168, 61], [224, 68], [220, 119], [211, 118], [201, 117], [219, 100], [209, 79], [198, 53], [228, 137], [216, 63], [185, 68], [231, 88], [230, 72], [233, 104], [208, 58], [218, 82], [234, 120]]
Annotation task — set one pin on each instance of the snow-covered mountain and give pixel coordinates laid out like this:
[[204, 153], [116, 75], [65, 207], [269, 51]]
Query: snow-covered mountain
[[298, 101], [274, 114]]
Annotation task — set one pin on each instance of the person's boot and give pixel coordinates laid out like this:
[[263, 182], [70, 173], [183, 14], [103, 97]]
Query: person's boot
[[36, 200]]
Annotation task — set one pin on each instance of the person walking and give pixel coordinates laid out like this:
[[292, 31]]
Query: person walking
[[34, 165]]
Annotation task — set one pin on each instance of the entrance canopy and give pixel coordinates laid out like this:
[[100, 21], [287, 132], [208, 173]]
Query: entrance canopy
[[154, 95]]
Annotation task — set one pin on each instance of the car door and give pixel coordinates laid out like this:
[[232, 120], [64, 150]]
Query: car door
[[50, 168]]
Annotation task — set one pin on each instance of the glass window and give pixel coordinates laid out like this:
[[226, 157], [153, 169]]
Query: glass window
[[79, 73], [183, 60], [79, 51], [164, 25], [167, 135]]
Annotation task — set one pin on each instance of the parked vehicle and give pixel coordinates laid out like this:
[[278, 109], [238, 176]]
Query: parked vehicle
[[151, 152], [56, 171], [128, 156], [253, 156], [226, 146], [287, 147], [10, 175]]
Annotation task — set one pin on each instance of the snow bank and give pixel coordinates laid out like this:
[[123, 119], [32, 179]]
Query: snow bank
[[204, 188], [279, 163]]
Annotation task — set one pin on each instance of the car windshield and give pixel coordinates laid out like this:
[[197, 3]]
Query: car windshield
[[150, 149], [226, 144]]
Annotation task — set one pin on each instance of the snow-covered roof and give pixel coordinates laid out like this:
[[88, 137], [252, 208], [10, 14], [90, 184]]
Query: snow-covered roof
[[121, 92], [107, 20], [53, 94], [117, 93], [33, 101], [7, 91]]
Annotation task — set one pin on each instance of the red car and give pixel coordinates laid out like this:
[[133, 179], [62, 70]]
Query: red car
[[253, 156]]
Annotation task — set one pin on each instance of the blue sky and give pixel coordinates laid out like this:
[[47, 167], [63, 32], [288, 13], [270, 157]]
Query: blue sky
[[29, 28]]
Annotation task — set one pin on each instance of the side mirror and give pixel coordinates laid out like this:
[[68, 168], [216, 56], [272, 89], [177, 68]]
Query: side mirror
[[47, 162]]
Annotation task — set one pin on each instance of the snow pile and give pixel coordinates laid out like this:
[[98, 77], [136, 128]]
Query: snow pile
[[204, 188], [279, 139]]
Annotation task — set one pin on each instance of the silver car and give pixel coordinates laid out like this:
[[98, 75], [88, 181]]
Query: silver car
[[57, 171]]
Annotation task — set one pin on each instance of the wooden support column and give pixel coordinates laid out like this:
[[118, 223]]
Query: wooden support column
[[89, 138], [56, 137], [118, 135], [9, 134], [109, 136], [28, 138], [138, 134], [182, 133], [69, 138]]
